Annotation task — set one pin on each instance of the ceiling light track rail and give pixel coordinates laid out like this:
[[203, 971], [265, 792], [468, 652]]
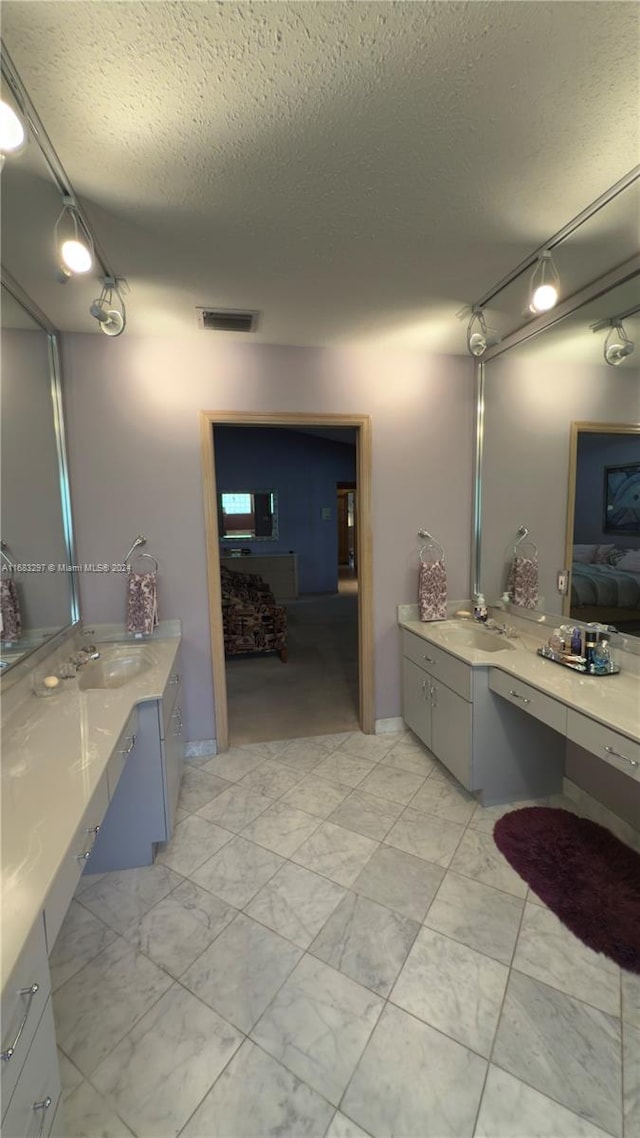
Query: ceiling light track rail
[[58, 173], [567, 230]]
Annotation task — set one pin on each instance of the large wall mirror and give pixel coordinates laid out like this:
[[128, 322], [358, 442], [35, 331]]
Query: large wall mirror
[[39, 596], [561, 446]]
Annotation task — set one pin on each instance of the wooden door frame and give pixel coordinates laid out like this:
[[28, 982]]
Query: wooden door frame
[[364, 535]]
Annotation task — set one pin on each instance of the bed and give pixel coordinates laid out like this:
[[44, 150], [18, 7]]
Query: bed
[[605, 593]]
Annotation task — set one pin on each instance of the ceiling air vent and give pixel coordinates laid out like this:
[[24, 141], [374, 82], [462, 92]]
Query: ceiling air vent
[[227, 320]]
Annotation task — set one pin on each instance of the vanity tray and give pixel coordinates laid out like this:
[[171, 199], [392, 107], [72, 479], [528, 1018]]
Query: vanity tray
[[556, 658]]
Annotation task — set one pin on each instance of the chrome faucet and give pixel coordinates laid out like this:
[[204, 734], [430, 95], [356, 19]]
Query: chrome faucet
[[501, 629]]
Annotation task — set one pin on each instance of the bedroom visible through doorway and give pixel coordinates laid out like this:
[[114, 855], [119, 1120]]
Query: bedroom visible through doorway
[[289, 557]]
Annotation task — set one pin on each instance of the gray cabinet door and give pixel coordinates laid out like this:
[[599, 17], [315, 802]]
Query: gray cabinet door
[[451, 732], [416, 700], [173, 762]]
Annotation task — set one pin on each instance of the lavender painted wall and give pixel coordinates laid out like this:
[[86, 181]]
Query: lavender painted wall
[[303, 470], [132, 414], [595, 452]]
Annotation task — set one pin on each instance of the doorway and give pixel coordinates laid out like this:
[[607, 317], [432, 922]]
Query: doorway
[[362, 548]]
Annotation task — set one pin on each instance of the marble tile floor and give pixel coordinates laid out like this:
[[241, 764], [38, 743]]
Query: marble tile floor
[[332, 946]]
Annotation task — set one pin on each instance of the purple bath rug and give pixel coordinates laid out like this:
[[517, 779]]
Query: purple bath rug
[[586, 876]]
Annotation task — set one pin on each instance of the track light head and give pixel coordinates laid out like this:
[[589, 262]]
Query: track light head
[[75, 250], [112, 321], [617, 345], [479, 336], [13, 132], [545, 285]]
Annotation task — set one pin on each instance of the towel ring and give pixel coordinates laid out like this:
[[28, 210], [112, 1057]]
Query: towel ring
[[520, 542], [430, 541], [520, 545], [149, 557], [7, 560]]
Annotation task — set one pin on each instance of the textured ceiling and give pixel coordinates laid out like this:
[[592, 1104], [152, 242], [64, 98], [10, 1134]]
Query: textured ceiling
[[356, 171]]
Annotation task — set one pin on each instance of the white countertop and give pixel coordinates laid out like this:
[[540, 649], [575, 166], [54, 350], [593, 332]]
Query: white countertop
[[55, 750], [612, 700]]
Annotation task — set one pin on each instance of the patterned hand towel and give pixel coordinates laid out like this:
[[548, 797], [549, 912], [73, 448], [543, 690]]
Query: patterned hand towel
[[142, 602], [10, 608], [523, 581], [432, 590]]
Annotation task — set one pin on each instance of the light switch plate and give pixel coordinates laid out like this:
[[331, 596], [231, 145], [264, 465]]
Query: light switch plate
[[326, 513], [563, 581]]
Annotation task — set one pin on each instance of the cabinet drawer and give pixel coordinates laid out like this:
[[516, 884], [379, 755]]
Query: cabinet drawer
[[440, 664], [621, 752], [529, 699], [33, 1105], [170, 698], [122, 753], [76, 857], [22, 1007]]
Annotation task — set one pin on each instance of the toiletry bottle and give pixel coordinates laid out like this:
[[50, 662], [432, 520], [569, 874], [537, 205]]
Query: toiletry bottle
[[576, 642], [479, 608], [590, 641]]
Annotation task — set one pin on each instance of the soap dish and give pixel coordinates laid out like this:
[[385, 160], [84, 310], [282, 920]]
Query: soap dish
[[555, 657]]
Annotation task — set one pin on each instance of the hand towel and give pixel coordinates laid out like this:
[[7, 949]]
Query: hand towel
[[10, 607], [432, 590], [523, 581], [142, 602]]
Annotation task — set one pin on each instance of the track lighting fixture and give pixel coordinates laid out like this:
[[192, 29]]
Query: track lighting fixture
[[479, 336], [112, 321], [74, 243], [545, 284], [617, 345], [13, 132]]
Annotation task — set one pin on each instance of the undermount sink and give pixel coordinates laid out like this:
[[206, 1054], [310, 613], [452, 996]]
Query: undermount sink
[[114, 668], [469, 635]]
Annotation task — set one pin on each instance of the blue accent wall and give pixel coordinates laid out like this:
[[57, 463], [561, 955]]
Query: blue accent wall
[[595, 452], [303, 469]]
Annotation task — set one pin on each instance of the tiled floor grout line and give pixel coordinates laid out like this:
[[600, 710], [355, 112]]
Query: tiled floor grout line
[[380, 844]]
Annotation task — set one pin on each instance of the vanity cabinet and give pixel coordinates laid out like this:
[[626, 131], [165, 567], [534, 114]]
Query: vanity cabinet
[[143, 807], [33, 1105], [616, 749], [440, 717], [451, 707], [79, 851]]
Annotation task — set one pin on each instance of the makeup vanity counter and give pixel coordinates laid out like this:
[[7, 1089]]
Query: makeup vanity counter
[[60, 764], [512, 746]]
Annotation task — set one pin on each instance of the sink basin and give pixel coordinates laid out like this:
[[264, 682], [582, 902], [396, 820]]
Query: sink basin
[[115, 668], [469, 635]]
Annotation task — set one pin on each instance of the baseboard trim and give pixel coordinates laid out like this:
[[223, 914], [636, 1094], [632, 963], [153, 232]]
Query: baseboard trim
[[197, 748], [390, 726]]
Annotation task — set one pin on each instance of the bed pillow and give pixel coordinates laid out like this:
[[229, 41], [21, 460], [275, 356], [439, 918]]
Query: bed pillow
[[630, 562], [584, 553], [603, 555]]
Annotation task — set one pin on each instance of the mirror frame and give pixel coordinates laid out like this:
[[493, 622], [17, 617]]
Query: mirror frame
[[592, 291], [577, 428], [57, 411]]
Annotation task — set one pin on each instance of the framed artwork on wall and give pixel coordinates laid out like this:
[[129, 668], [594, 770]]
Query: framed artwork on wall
[[622, 498]]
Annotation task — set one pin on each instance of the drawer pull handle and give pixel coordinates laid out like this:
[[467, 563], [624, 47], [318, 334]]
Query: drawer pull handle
[[128, 750], [517, 696], [95, 830], [611, 751], [43, 1106], [175, 678], [30, 992], [428, 659]]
